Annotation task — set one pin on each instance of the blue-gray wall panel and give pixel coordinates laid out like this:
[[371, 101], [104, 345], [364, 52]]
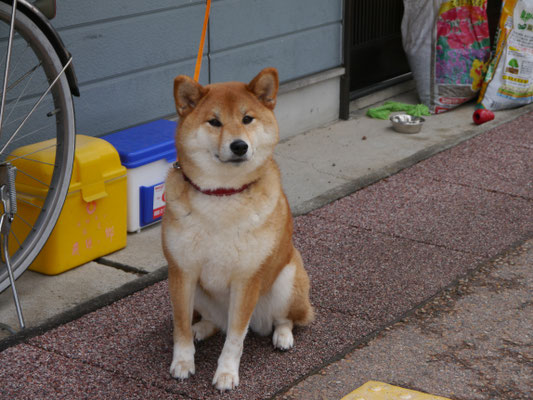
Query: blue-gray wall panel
[[235, 22], [127, 52], [118, 47], [294, 56], [130, 100], [75, 12]]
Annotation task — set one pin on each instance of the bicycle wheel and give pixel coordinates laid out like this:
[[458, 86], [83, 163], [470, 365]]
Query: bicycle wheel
[[34, 66]]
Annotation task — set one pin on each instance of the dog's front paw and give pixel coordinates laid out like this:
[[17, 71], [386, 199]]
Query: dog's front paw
[[282, 338], [226, 380], [182, 365], [181, 369]]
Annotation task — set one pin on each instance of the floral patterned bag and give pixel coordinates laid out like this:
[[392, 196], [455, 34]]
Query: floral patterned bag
[[450, 71]]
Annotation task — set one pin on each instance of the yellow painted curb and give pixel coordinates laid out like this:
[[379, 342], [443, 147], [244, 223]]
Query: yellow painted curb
[[373, 390]]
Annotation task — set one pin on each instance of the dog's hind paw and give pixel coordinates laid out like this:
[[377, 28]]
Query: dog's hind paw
[[226, 380], [181, 369], [204, 329], [282, 338]]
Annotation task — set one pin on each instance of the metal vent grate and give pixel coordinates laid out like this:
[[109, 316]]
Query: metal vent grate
[[375, 20], [374, 43]]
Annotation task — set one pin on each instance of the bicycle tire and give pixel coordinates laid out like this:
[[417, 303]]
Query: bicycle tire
[[61, 114]]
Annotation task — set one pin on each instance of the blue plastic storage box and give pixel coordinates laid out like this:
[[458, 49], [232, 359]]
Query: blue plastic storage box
[[147, 151]]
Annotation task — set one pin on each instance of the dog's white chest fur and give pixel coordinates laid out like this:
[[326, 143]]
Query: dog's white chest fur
[[220, 239]]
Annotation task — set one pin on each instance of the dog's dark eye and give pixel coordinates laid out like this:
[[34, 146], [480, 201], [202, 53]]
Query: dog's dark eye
[[247, 119], [215, 122]]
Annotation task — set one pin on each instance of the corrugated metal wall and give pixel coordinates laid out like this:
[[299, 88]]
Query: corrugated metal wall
[[127, 52]]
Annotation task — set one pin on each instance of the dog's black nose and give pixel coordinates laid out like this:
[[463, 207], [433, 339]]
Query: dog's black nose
[[239, 147]]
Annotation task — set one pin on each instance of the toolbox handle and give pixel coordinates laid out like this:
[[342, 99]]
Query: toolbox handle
[[91, 176]]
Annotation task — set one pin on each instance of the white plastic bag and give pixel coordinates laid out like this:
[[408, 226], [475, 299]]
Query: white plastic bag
[[509, 79], [417, 37]]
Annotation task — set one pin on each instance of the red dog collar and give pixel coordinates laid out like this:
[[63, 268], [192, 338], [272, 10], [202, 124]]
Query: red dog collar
[[212, 192]]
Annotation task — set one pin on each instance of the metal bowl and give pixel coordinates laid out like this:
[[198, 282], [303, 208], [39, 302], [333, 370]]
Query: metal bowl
[[406, 123]]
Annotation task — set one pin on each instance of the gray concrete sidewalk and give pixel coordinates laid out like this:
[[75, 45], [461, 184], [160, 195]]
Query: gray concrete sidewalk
[[472, 341], [317, 167], [374, 258]]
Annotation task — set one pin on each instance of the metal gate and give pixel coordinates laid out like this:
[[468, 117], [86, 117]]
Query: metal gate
[[376, 51], [373, 51]]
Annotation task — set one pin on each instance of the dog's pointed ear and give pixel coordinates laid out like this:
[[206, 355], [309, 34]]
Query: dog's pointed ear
[[187, 94], [265, 87]]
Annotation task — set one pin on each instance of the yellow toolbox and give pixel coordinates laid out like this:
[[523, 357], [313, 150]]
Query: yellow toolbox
[[93, 220]]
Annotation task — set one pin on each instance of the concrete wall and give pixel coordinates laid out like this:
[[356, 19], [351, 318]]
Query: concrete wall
[[127, 52]]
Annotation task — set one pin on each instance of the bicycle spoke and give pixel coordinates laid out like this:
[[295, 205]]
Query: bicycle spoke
[[29, 203], [21, 55], [8, 60], [19, 59], [32, 177], [14, 67], [29, 154], [30, 133], [5, 39], [36, 161], [36, 105], [16, 239], [18, 119], [31, 71], [26, 222], [20, 96]]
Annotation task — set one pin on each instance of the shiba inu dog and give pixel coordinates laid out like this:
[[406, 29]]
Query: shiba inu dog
[[227, 227]]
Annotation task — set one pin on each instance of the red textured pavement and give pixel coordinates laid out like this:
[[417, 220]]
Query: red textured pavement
[[371, 256]]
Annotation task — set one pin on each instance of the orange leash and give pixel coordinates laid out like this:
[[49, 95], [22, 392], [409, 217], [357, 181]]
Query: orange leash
[[202, 41]]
